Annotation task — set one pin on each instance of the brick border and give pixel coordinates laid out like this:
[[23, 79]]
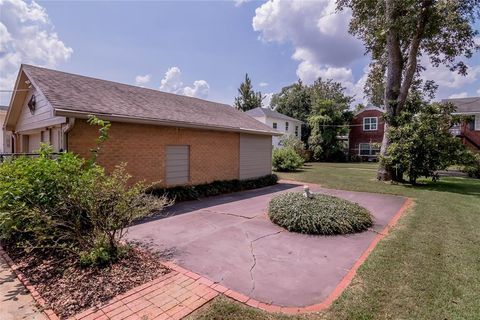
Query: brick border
[[49, 313], [347, 279]]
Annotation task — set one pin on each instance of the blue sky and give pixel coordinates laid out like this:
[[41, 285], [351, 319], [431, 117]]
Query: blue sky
[[207, 46]]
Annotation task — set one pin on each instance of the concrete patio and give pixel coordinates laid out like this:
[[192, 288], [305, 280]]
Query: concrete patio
[[229, 239]]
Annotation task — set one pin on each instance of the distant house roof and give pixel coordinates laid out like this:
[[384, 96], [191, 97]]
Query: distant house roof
[[76, 95], [267, 112], [465, 105], [370, 108], [3, 108]]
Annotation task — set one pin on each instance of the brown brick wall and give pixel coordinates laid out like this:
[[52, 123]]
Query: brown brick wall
[[214, 155], [357, 135]]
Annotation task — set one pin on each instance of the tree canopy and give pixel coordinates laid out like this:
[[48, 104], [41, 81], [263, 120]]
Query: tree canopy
[[403, 37]]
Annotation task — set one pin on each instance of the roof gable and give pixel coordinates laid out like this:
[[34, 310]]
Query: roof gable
[[71, 94]]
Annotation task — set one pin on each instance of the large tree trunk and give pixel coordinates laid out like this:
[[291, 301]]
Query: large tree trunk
[[396, 91], [392, 88]]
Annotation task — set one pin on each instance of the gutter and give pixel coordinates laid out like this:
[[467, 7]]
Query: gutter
[[166, 123]]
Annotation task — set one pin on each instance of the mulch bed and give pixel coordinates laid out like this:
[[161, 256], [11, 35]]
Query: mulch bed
[[68, 288]]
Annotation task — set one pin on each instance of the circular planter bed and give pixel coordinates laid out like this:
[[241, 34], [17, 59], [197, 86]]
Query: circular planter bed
[[321, 215]]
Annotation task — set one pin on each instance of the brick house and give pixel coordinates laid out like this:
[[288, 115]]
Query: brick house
[[164, 138], [366, 133], [468, 131]]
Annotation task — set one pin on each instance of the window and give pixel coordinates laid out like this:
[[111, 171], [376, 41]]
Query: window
[[274, 125], [370, 123], [177, 164], [296, 131], [286, 126], [368, 149]]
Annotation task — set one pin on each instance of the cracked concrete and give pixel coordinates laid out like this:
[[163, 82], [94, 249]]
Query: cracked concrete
[[229, 240]]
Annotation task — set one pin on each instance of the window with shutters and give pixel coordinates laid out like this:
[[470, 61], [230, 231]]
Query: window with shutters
[[177, 164]]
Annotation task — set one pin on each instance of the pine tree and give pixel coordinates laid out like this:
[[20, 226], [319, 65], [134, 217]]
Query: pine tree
[[248, 99]]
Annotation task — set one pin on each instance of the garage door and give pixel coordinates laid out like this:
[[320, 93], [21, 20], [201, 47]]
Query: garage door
[[177, 164], [255, 156]]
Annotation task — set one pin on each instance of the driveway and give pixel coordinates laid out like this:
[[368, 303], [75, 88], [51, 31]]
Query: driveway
[[229, 239]]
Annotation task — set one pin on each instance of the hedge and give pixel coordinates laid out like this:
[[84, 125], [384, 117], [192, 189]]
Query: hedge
[[183, 193]]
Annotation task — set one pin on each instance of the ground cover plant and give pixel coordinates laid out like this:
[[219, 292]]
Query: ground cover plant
[[426, 268], [321, 214]]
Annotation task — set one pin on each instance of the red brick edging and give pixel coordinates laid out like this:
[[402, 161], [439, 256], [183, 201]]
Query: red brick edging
[[49, 313], [312, 308]]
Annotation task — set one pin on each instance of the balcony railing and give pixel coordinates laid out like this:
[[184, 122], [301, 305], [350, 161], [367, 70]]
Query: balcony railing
[[5, 156]]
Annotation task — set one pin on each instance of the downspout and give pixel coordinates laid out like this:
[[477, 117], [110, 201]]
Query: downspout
[[65, 130]]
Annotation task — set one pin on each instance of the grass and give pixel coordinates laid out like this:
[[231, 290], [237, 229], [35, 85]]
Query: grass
[[427, 268]]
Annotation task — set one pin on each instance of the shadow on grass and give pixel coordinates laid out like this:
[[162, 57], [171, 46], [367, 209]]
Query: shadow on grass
[[465, 186]]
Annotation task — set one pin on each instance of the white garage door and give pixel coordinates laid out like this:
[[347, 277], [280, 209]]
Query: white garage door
[[255, 156]]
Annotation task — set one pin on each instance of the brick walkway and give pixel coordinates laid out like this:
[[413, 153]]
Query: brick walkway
[[172, 296]]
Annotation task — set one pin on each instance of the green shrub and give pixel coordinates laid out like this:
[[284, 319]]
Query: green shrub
[[183, 193], [472, 164], [286, 159], [323, 214], [68, 204]]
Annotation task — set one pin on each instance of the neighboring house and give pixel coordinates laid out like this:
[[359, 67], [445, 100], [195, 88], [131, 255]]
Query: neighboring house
[[468, 131], [280, 122], [163, 137], [3, 113], [366, 133]]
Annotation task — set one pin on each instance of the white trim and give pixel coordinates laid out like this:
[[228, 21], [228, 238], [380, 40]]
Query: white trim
[[376, 124]]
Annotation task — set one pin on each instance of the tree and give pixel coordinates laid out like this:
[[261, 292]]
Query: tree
[[248, 99], [397, 33], [422, 144], [328, 119], [294, 101]]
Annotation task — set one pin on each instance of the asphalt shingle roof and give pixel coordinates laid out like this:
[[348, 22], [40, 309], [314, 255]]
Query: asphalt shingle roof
[[465, 105], [262, 112], [78, 93]]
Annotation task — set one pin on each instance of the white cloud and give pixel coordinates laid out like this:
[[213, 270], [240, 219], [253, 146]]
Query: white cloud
[[319, 35], [238, 3], [263, 84], [172, 82], [458, 95], [27, 36], [142, 80], [200, 89], [448, 79], [317, 32]]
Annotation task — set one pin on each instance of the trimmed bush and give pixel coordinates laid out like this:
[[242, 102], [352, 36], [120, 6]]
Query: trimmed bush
[[286, 159], [183, 193], [472, 165], [323, 214]]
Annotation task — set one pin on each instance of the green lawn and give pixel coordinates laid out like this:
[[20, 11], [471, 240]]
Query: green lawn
[[428, 267]]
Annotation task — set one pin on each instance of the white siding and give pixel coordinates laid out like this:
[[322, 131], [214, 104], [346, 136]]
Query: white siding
[[477, 122], [41, 117], [177, 164], [255, 156], [281, 126]]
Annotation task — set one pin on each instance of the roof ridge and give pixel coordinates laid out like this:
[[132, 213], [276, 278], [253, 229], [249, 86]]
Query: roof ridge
[[123, 84]]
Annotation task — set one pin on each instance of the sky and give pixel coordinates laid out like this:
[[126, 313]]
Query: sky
[[196, 48]]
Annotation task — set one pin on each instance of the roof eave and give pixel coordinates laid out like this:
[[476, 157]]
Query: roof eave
[[167, 123]]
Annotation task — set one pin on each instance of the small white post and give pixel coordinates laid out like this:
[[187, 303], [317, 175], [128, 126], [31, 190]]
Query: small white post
[[306, 192]]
